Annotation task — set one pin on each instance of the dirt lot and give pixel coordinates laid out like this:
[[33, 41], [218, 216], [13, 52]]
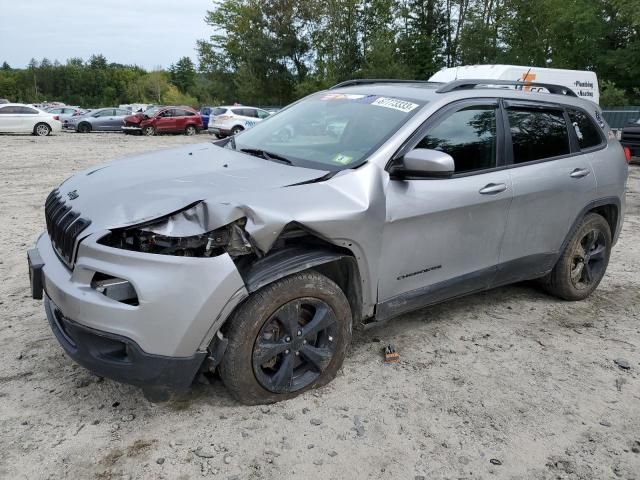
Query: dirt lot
[[507, 384]]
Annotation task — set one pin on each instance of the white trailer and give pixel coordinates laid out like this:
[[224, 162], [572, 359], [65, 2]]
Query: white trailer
[[583, 83]]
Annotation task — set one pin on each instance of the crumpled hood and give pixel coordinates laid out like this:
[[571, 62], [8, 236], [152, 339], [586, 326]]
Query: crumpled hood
[[142, 188], [135, 118]]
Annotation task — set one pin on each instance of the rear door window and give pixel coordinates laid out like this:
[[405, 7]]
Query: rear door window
[[468, 135], [537, 134], [587, 132], [218, 111]]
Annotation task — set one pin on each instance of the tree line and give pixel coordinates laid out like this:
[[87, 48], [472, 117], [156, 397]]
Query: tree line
[[270, 52]]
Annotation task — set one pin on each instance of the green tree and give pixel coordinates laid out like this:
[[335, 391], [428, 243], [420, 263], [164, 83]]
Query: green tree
[[183, 74]]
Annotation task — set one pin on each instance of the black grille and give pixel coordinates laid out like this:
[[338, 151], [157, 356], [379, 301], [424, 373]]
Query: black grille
[[64, 225]]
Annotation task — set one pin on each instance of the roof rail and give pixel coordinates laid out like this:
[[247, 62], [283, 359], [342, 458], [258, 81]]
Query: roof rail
[[369, 81], [472, 83]]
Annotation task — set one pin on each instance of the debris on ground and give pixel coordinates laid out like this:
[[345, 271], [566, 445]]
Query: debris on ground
[[622, 363], [390, 354]]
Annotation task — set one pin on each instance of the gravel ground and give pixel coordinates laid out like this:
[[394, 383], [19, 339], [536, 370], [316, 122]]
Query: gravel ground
[[506, 384]]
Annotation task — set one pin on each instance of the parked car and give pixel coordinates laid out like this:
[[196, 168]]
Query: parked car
[[164, 120], [20, 118], [256, 257], [631, 138], [4, 100], [99, 120], [233, 120], [65, 113]]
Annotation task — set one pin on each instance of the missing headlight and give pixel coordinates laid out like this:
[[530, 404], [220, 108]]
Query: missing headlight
[[231, 239]]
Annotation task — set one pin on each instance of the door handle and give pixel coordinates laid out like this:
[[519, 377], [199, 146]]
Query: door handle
[[579, 173], [493, 188]]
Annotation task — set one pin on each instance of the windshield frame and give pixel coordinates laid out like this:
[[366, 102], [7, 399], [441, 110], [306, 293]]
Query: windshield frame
[[237, 144]]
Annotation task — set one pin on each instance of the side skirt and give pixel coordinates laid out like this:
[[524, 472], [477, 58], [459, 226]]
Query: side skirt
[[527, 268]]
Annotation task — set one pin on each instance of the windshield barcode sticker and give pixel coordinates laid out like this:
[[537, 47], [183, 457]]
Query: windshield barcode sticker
[[396, 104]]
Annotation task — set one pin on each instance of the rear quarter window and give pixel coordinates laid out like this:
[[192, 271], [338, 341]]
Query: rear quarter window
[[587, 132]]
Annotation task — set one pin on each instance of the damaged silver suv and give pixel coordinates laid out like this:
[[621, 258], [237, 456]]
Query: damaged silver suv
[[256, 255]]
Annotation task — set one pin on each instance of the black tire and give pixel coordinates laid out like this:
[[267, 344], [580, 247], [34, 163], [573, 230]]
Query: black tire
[[84, 127], [583, 262], [190, 130], [41, 129], [149, 131], [328, 330], [236, 130]]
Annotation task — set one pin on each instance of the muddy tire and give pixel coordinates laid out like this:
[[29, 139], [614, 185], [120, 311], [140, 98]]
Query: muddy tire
[[287, 338], [584, 261]]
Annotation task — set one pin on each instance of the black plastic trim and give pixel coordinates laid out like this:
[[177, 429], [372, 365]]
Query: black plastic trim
[[120, 358], [285, 262], [526, 268]]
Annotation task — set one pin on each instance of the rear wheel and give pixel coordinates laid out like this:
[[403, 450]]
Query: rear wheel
[[190, 130], [286, 338], [584, 260], [41, 130], [84, 127], [149, 131]]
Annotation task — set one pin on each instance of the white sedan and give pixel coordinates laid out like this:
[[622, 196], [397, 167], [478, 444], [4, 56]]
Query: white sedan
[[20, 118]]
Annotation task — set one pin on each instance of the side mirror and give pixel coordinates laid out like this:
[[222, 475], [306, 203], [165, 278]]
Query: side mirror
[[424, 163]]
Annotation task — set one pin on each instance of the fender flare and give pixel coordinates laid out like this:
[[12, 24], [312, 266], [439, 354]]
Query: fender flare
[[601, 202], [283, 263]]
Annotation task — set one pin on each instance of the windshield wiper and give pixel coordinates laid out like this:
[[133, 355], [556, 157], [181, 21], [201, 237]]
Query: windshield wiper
[[266, 155]]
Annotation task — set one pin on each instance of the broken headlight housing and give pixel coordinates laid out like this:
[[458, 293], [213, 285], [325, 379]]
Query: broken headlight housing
[[231, 239]]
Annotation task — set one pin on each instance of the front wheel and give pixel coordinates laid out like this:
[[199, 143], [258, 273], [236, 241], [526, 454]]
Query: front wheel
[[149, 131], [584, 261], [84, 127], [41, 130], [236, 130], [286, 338]]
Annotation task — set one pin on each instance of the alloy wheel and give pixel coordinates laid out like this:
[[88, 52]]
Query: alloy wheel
[[42, 130], [295, 345], [589, 260]]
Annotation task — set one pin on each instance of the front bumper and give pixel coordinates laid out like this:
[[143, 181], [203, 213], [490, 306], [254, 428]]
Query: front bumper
[[182, 301], [128, 128], [162, 341], [120, 358]]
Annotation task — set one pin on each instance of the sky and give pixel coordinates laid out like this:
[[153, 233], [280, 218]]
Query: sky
[[148, 33]]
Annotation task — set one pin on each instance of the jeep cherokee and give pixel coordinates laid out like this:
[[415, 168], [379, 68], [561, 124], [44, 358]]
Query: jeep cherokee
[[256, 255]]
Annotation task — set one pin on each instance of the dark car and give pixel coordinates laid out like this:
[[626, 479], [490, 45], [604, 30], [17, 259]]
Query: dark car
[[631, 138], [164, 120]]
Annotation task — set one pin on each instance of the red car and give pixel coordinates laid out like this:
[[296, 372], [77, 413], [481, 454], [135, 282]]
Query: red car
[[164, 120]]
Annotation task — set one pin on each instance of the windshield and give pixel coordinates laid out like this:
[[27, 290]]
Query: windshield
[[330, 131], [151, 111]]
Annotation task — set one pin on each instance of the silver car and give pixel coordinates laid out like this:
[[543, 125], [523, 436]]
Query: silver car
[[256, 256], [99, 120]]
